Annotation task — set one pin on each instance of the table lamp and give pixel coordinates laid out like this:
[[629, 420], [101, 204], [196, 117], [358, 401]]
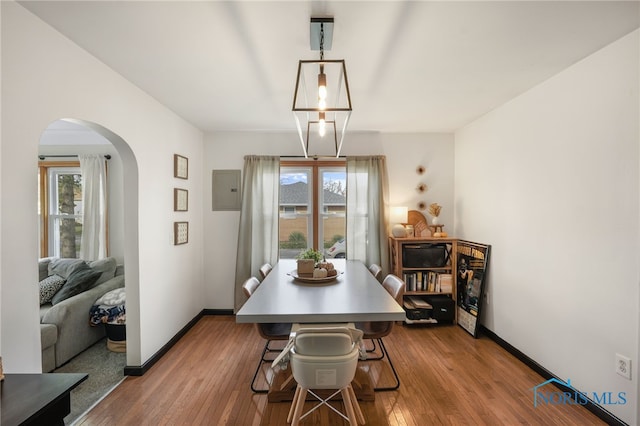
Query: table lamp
[[399, 218]]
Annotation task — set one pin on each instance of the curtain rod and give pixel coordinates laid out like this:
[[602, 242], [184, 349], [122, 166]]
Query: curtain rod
[[42, 157], [314, 157]]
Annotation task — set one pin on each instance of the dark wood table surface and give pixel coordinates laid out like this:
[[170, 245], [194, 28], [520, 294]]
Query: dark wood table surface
[[37, 399]]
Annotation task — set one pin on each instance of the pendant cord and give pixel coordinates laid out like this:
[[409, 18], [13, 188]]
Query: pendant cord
[[321, 41]]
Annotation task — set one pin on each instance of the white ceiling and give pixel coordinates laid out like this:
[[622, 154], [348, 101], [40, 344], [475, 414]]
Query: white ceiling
[[414, 66]]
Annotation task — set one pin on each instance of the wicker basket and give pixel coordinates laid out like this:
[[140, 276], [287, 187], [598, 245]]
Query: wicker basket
[[117, 345]]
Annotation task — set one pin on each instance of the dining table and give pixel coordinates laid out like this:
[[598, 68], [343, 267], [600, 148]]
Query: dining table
[[354, 295]]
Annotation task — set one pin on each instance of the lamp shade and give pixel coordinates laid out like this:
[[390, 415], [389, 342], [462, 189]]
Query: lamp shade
[[399, 215]]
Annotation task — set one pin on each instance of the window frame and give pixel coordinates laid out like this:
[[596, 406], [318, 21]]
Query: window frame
[[45, 199], [315, 214]]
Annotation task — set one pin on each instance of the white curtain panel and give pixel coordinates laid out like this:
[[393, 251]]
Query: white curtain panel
[[368, 210], [258, 232], [94, 202]]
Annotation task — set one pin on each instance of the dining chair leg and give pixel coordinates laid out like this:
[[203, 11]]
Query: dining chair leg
[[348, 405], [302, 396], [294, 403], [356, 405], [372, 350], [255, 375], [393, 369], [269, 349]]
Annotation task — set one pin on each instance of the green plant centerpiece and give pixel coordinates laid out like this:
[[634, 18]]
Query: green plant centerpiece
[[311, 263], [311, 254], [307, 261]]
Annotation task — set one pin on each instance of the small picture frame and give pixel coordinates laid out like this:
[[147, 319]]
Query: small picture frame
[[180, 200], [180, 233], [180, 167]]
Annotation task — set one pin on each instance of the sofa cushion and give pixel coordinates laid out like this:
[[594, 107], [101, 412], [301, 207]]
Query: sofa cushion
[[49, 287], [107, 268], [43, 268], [65, 266], [80, 280]]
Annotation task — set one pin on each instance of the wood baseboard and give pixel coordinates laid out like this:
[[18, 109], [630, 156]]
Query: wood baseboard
[[139, 370]]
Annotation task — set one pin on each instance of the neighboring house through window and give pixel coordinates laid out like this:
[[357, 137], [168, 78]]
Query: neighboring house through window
[[312, 206]]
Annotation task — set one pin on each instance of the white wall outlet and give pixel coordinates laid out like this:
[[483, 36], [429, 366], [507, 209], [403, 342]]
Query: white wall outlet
[[623, 366]]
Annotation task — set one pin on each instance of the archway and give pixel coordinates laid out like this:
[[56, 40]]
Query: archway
[[129, 230]]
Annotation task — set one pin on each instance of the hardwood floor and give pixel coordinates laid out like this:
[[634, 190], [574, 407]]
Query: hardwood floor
[[447, 378]]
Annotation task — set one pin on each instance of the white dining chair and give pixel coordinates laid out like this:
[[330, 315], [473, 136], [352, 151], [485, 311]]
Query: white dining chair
[[325, 358], [376, 270], [265, 269]]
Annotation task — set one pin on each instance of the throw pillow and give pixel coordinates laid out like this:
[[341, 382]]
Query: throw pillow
[[49, 287], [64, 266], [114, 297], [106, 266], [81, 279]]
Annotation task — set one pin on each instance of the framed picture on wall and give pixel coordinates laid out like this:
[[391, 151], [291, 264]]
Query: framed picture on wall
[[180, 233], [180, 167], [180, 200]]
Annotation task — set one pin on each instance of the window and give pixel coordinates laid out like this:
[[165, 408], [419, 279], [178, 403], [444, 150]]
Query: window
[[60, 209], [312, 206], [288, 209]]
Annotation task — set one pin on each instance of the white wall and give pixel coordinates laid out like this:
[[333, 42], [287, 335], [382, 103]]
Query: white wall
[[404, 153], [46, 77], [551, 181], [50, 78]]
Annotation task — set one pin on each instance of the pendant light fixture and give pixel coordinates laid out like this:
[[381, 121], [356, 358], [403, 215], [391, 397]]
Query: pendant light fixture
[[321, 101]]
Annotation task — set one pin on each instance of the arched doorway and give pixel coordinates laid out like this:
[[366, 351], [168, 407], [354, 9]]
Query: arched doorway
[[123, 218]]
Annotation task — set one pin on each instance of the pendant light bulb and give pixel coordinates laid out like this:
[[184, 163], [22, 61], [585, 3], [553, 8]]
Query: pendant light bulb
[[322, 125], [322, 89]]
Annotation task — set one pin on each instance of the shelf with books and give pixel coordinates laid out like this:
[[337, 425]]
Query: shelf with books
[[427, 266], [430, 281]]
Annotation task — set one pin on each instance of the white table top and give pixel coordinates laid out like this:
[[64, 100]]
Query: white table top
[[354, 296]]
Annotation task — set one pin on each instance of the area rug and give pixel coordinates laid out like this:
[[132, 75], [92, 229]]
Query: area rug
[[106, 372]]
